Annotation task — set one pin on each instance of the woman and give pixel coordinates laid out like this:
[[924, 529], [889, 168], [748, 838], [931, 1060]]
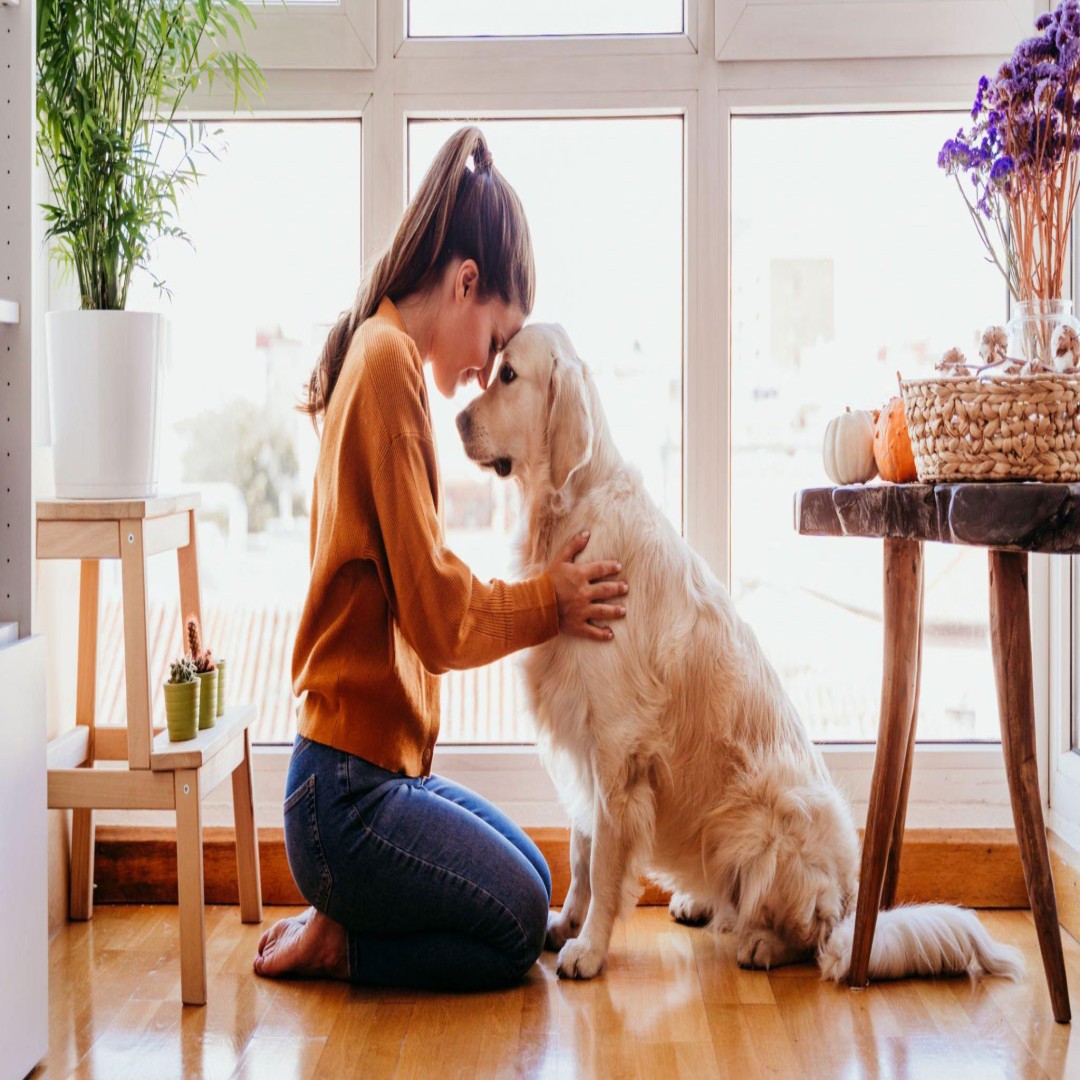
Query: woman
[[414, 881]]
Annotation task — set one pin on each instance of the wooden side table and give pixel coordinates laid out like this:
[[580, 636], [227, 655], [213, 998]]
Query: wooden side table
[[1010, 519], [157, 774]]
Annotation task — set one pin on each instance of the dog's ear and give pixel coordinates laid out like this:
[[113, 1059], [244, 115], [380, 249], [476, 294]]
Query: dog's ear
[[569, 428]]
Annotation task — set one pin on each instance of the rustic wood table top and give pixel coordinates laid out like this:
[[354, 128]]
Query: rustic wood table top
[[1013, 516]]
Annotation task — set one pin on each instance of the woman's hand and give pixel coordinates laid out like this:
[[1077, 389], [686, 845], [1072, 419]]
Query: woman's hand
[[582, 589]]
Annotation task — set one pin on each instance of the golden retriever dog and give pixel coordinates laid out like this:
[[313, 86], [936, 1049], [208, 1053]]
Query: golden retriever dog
[[675, 748]]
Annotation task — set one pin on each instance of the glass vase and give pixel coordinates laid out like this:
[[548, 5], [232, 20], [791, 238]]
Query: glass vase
[[1032, 326]]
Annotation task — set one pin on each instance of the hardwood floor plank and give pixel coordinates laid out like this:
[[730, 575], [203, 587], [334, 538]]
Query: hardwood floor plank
[[751, 1040], [446, 1024], [723, 982], [819, 1022], [366, 1039], [296, 1010], [130, 1046], [672, 1003], [500, 1017], [283, 1058], [1025, 1006]]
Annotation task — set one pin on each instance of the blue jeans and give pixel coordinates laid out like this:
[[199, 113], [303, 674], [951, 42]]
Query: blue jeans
[[435, 887]]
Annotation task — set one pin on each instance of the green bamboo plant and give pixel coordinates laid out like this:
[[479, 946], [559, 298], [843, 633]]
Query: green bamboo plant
[[111, 75]]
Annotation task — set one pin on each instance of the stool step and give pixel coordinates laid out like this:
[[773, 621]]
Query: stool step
[[168, 756]]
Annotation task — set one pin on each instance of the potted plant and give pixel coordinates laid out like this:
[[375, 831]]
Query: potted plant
[[110, 77], [206, 670], [182, 701], [220, 685]]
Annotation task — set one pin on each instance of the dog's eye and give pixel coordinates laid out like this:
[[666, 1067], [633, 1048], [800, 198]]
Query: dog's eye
[[507, 373]]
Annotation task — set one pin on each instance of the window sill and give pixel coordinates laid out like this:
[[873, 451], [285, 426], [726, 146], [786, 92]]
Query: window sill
[[957, 786]]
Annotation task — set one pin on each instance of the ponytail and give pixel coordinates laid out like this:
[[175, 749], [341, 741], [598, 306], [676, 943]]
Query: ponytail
[[457, 212]]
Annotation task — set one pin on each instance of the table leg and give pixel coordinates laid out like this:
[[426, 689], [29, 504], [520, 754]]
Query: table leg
[[1010, 634], [892, 868], [902, 597]]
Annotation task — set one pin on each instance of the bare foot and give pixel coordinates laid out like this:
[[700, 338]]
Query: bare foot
[[307, 944], [303, 917]]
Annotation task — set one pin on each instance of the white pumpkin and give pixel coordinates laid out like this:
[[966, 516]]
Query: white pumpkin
[[849, 448]]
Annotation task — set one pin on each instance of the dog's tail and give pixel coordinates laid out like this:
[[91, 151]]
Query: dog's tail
[[922, 939]]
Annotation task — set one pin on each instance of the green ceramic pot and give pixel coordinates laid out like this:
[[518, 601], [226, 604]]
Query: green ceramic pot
[[182, 710], [220, 687], [207, 698]]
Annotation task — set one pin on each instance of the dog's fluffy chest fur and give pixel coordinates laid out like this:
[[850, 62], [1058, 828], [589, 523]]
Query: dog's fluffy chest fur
[[610, 714]]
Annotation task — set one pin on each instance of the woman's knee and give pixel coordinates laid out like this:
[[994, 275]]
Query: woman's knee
[[532, 923], [545, 876]]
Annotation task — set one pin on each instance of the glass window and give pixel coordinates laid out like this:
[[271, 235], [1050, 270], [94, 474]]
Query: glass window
[[607, 233], [853, 258], [275, 225], [496, 18]]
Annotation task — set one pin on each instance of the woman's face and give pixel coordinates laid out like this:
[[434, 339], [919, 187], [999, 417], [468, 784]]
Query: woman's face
[[469, 332]]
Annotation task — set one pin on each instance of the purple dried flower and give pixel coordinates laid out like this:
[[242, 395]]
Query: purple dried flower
[[1025, 128], [1031, 50], [984, 84], [1001, 169]]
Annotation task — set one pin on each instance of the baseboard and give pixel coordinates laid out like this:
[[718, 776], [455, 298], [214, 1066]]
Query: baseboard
[[1065, 865], [974, 867]]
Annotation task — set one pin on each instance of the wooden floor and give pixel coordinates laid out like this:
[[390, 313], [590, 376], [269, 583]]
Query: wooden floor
[[672, 1003]]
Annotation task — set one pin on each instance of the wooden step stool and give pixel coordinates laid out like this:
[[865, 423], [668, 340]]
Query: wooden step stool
[[158, 774]]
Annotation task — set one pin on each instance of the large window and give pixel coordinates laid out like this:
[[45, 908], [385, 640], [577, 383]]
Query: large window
[[608, 238], [738, 250], [276, 255], [859, 263]]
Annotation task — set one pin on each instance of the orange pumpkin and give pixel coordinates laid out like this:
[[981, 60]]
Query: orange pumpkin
[[892, 444]]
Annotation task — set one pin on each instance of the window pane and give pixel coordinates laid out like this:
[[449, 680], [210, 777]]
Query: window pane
[[607, 233], [496, 18], [277, 257], [865, 265]]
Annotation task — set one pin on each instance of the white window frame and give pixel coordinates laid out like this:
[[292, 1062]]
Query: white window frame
[[336, 35], [1063, 783], [828, 30], [954, 785]]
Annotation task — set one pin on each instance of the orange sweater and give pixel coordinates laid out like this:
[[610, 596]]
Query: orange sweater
[[389, 607]]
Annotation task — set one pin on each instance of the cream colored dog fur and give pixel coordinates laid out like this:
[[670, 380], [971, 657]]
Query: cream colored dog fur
[[675, 748]]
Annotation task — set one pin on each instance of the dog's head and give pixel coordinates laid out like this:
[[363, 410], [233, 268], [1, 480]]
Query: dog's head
[[534, 420]]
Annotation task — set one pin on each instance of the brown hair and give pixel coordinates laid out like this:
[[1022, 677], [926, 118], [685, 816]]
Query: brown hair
[[457, 212]]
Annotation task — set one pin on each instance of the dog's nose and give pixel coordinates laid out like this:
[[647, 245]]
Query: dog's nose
[[464, 422]]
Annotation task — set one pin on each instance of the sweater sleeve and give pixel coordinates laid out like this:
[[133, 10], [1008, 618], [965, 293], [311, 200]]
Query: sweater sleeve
[[449, 617]]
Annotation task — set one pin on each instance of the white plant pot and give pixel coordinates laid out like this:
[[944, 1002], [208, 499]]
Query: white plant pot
[[106, 391]]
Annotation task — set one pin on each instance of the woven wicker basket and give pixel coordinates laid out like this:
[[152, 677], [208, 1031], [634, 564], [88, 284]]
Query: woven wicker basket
[[994, 428]]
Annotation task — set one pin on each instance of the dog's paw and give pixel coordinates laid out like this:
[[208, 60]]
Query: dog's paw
[[687, 910], [580, 960], [759, 949], [724, 922], [762, 949], [560, 929]]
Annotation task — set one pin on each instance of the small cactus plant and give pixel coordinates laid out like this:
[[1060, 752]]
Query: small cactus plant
[[203, 659], [182, 670]]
